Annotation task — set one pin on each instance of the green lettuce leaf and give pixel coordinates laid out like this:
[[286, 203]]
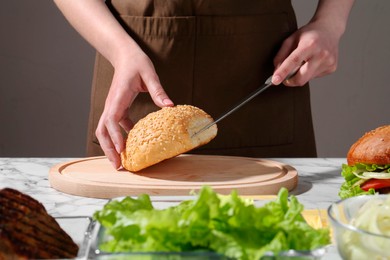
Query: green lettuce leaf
[[227, 224], [349, 187]]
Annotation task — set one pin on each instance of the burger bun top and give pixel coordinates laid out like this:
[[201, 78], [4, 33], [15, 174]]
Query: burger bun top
[[372, 148]]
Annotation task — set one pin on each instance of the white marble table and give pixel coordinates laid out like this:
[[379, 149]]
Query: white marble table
[[318, 185]]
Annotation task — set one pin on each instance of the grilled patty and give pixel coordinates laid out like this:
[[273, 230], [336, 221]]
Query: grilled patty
[[28, 231]]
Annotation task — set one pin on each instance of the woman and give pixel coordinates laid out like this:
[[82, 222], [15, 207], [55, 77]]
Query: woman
[[209, 53]]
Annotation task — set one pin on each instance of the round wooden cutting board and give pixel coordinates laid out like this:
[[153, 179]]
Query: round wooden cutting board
[[94, 177]]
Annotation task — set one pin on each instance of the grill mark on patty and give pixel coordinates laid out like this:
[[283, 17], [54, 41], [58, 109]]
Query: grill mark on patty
[[28, 231]]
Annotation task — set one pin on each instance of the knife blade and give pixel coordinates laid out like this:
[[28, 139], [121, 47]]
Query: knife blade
[[267, 84]]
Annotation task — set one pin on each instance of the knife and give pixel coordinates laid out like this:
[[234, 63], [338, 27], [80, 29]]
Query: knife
[[267, 84]]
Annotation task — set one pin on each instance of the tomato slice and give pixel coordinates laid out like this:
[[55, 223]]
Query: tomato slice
[[376, 184]]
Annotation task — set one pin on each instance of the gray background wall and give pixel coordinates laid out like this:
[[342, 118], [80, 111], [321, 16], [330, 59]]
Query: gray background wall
[[46, 71]]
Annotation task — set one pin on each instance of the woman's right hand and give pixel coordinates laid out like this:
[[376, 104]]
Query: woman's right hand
[[134, 72]]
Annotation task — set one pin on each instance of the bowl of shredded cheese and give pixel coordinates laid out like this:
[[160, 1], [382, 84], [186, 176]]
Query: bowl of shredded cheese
[[361, 226]]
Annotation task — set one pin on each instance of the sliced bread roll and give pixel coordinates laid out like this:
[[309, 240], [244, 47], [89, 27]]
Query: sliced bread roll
[[165, 134]]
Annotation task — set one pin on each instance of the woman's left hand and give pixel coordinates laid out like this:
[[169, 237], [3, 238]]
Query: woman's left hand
[[314, 48]]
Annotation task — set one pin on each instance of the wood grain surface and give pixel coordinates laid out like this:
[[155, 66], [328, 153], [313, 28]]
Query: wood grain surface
[[94, 177]]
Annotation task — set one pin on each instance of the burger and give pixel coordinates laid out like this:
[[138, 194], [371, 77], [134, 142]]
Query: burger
[[368, 168]]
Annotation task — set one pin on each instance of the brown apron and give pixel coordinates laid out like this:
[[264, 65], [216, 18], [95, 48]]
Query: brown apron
[[212, 54]]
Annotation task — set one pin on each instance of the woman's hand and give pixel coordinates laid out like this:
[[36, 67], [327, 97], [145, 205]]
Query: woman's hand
[[132, 75], [314, 47], [134, 72]]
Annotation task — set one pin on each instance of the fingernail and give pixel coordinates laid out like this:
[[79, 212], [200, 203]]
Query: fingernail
[[276, 79], [167, 102]]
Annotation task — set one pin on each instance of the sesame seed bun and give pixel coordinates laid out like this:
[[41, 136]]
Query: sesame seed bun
[[164, 134], [372, 148]]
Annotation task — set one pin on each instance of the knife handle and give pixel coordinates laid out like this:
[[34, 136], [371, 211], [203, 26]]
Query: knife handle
[[266, 85]]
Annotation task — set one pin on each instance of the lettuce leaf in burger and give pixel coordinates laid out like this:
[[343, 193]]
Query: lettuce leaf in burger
[[368, 168]]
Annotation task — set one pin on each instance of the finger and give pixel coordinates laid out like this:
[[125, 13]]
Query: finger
[[327, 66], [156, 91], [108, 147], [115, 134], [292, 63], [301, 77], [114, 110], [115, 117], [126, 124], [286, 48], [316, 67]]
